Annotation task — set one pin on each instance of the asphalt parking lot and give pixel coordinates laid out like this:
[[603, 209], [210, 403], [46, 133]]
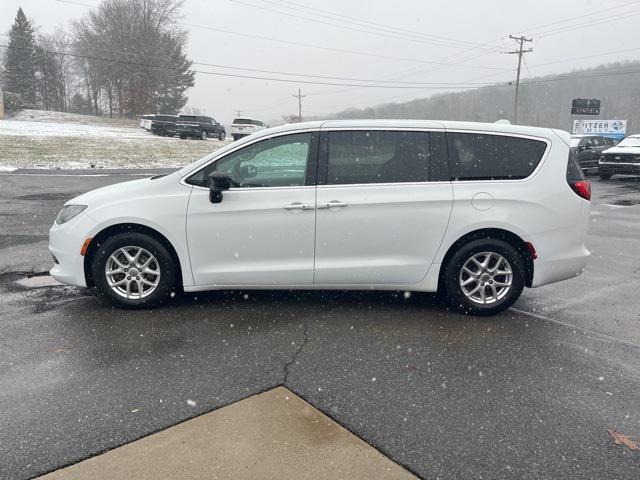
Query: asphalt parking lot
[[530, 393]]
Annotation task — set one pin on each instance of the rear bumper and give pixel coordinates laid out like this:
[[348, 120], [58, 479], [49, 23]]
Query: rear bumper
[[189, 132], [562, 253], [65, 242], [560, 268], [621, 168]]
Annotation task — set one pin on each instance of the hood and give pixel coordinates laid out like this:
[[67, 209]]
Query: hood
[[622, 151], [121, 192]]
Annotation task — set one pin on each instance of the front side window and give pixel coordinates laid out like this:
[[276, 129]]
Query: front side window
[[478, 156], [357, 157], [275, 162]]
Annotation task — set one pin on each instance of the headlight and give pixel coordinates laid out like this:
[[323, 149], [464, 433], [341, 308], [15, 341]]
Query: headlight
[[68, 212]]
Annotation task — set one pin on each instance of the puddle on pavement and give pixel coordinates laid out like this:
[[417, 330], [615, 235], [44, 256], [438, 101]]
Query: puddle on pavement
[[625, 203]]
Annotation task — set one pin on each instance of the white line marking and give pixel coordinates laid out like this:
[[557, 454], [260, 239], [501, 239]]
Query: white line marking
[[574, 327]]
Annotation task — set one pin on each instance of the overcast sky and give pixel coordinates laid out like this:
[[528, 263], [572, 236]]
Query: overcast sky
[[447, 32]]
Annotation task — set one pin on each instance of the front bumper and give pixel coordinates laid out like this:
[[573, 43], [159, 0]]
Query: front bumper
[[65, 242], [619, 168]]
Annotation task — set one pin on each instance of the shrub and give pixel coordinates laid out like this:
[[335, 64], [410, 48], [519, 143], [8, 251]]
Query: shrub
[[12, 102]]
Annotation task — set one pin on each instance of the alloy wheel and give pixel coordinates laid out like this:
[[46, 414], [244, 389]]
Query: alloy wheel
[[132, 272], [486, 278]]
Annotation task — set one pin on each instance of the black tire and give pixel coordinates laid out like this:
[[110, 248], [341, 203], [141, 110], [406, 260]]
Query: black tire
[[183, 137], [235, 137], [452, 276], [166, 283], [222, 136], [605, 176]]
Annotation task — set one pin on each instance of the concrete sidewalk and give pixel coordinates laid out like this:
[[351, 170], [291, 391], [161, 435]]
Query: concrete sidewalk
[[271, 435]]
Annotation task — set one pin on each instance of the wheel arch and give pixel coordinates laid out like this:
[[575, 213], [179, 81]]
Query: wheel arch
[[492, 233], [129, 228]]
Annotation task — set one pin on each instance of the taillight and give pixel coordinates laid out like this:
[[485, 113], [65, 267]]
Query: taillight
[[582, 188]]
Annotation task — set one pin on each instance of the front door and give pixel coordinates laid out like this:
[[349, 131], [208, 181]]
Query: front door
[[379, 219], [263, 231]]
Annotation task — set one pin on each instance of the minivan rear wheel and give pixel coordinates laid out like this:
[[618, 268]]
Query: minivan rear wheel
[[484, 277], [133, 270]]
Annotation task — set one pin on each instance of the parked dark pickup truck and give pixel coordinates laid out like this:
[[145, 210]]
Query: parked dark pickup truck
[[163, 125], [588, 148], [199, 127]]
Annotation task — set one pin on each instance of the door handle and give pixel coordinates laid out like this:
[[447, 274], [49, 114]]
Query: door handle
[[299, 206], [333, 204]]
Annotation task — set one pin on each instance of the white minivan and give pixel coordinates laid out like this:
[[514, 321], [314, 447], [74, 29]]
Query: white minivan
[[474, 211]]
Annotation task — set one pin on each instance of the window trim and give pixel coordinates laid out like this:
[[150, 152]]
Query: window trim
[[311, 171], [543, 159], [323, 159]]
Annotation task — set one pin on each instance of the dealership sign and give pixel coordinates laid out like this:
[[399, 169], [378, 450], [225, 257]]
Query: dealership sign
[[585, 106], [607, 128]]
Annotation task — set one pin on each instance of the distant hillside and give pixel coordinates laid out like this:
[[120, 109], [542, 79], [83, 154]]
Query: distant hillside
[[547, 103]]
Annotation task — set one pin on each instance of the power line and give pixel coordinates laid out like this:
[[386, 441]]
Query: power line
[[588, 23], [520, 52], [425, 86], [165, 67], [573, 18], [350, 28], [369, 24], [585, 57]]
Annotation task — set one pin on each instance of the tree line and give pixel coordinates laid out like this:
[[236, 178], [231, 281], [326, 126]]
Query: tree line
[[544, 101], [123, 58]]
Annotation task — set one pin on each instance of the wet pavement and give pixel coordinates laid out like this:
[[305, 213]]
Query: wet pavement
[[530, 393]]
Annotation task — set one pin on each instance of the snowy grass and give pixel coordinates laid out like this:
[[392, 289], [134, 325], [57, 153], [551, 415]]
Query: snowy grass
[[64, 117], [37, 139]]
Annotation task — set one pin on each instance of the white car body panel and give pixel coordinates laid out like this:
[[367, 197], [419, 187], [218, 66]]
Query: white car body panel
[[389, 236], [250, 238], [158, 204], [375, 238]]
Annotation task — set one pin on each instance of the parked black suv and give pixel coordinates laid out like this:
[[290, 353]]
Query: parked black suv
[[196, 126], [589, 148]]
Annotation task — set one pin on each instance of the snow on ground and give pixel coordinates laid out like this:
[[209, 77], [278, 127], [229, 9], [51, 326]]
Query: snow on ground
[[64, 129], [35, 139]]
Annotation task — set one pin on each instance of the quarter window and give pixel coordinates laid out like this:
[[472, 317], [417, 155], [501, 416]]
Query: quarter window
[[476, 156], [275, 162], [357, 157]]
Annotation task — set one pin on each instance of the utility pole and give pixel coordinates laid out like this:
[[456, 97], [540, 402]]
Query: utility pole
[[300, 97], [520, 52]]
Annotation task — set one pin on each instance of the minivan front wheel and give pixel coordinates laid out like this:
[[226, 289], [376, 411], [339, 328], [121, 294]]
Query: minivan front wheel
[[484, 277], [133, 270]]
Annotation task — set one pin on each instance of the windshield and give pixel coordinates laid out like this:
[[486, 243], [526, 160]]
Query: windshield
[[630, 142]]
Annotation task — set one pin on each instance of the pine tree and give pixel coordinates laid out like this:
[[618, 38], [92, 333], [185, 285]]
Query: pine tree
[[19, 62]]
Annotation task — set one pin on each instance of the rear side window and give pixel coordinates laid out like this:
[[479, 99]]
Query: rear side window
[[479, 156], [357, 157]]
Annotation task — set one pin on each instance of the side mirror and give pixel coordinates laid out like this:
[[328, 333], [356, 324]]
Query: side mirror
[[218, 182]]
